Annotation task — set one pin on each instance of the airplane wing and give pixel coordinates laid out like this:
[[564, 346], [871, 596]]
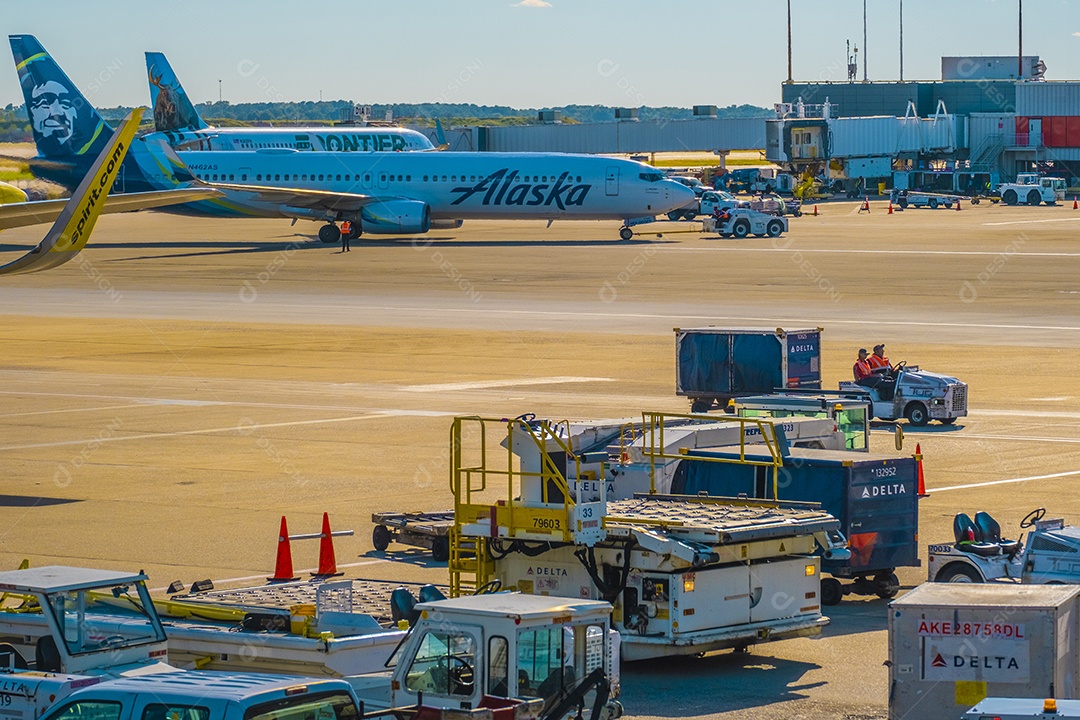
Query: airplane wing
[[73, 226], [16, 215], [298, 197]]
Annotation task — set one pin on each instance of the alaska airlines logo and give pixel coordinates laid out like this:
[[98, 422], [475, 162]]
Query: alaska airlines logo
[[499, 188]]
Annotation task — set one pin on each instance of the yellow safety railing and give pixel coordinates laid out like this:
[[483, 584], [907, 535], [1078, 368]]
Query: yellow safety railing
[[654, 424], [485, 490]]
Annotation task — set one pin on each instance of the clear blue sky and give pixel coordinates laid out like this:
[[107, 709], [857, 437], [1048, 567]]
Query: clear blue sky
[[628, 52]]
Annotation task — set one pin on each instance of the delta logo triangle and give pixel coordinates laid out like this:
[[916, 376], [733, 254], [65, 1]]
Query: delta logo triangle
[[865, 492], [938, 661]]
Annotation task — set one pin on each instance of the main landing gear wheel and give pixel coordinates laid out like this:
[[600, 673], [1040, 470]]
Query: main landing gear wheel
[[330, 234], [355, 231], [626, 233]]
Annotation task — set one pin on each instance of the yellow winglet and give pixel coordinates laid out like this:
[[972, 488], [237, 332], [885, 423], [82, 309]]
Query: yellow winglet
[[71, 231]]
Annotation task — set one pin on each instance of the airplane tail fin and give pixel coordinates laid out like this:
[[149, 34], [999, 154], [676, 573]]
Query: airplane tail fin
[[173, 109], [440, 136], [64, 123]]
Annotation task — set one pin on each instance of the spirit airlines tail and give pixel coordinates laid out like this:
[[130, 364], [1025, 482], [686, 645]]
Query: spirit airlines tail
[[405, 193], [176, 116]]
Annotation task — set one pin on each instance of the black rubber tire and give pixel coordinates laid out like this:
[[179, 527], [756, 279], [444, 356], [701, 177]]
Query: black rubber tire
[[355, 231], [933, 203], [1034, 198], [673, 215], [902, 203], [330, 234], [380, 537], [440, 549], [689, 215], [740, 229], [886, 585], [626, 233], [947, 421], [1009, 197], [917, 414], [832, 592], [774, 229], [948, 206], [700, 405], [958, 573]]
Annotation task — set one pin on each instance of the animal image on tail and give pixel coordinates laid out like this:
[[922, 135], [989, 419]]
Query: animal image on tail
[[173, 110]]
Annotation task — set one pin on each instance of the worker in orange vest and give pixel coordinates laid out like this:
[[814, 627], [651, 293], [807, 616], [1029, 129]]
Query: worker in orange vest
[[346, 233], [878, 361], [861, 368]]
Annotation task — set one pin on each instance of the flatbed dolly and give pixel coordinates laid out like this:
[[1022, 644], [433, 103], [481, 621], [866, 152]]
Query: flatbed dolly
[[420, 529]]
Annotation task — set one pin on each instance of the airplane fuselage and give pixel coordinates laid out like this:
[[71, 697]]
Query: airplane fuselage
[[457, 186]]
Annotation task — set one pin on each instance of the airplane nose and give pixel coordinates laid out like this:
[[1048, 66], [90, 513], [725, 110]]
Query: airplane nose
[[679, 194]]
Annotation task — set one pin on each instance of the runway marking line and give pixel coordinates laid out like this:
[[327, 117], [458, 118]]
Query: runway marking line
[[488, 384], [1010, 481], [1033, 222], [838, 251]]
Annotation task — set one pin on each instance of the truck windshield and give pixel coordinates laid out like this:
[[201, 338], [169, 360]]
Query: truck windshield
[[121, 618], [316, 706], [552, 658]]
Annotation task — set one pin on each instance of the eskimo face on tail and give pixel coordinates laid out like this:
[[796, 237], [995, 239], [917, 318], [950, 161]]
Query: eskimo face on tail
[[54, 110], [172, 109]]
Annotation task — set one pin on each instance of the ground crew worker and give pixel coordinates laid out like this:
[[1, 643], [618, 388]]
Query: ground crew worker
[[878, 361], [346, 231], [861, 368]]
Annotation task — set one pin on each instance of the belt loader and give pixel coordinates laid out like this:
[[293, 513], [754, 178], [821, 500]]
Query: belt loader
[[686, 575]]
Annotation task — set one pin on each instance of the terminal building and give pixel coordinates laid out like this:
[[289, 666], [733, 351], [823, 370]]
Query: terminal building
[[987, 119]]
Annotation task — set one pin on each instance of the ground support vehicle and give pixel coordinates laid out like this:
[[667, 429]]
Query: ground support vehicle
[[918, 395], [714, 365], [950, 646], [1001, 708], [979, 553], [1032, 189], [741, 222], [420, 529], [852, 416], [904, 199], [875, 498], [449, 654], [686, 575]]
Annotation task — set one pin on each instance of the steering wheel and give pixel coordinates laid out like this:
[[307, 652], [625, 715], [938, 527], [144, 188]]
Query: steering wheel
[[491, 586], [1033, 517], [460, 674], [900, 366]]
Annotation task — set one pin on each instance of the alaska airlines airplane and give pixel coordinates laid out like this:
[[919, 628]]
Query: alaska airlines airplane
[[378, 192], [176, 116], [407, 193]]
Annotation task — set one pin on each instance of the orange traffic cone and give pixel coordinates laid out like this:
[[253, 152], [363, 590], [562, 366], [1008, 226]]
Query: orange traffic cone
[[922, 479], [327, 562], [1074, 203], [283, 569], [865, 205], [958, 204], [890, 207], [815, 209]]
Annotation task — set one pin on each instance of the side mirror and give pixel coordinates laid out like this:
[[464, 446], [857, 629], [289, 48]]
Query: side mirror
[[898, 437]]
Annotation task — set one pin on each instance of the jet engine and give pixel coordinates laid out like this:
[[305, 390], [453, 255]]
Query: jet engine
[[395, 217]]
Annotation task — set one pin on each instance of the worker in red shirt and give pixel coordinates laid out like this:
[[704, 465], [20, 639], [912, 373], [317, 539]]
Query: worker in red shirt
[[861, 368]]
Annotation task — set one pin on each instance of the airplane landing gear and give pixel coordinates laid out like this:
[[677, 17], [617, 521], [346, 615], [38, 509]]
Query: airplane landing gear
[[330, 234], [626, 233]]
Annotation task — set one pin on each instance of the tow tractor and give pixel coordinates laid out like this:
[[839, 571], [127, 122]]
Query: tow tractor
[[686, 575], [980, 554], [741, 222], [479, 651], [1032, 189], [918, 395]]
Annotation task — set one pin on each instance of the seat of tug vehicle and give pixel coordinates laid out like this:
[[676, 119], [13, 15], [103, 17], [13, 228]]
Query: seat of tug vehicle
[[969, 538]]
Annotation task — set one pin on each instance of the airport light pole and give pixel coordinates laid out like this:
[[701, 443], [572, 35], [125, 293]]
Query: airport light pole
[[901, 40], [865, 77], [1020, 39], [789, 78]]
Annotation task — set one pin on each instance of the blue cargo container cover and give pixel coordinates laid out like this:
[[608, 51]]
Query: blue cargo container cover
[[874, 497]]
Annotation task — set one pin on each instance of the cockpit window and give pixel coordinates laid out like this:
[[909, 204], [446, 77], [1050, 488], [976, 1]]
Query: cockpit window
[[653, 176]]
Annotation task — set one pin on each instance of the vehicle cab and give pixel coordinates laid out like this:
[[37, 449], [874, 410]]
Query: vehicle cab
[[211, 696], [466, 650], [712, 199], [59, 632]]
